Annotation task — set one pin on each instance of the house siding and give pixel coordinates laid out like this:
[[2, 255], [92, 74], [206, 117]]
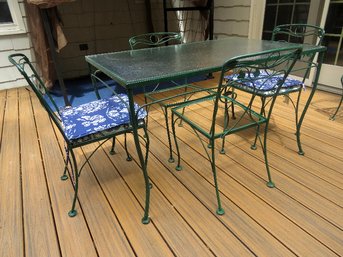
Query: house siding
[[9, 44], [106, 25], [231, 18]]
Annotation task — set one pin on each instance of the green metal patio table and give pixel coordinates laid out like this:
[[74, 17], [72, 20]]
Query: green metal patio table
[[137, 68]]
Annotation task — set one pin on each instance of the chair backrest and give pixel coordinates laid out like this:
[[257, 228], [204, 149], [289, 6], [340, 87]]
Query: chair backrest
[[302, 34], [257, 70], [299, 33], [155, 39], [25, 67]]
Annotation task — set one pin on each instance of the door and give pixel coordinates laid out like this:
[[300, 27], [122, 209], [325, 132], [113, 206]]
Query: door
[[332, 21], [324, 13]]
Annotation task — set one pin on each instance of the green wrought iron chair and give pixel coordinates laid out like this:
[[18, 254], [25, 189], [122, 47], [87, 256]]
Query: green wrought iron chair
[[261, 71], [95, 121], [180, 93], [294, 33], [340, 103]]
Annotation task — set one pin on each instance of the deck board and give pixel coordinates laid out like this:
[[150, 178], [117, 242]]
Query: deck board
[[11, 222], [39, 224], [302, 216], [73, 234], [277, 201]]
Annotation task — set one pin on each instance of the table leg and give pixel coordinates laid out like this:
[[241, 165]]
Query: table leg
[[142, 160], [314, 87]]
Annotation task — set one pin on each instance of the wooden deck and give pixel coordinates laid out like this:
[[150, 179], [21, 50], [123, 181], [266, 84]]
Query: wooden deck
[[302, 216]]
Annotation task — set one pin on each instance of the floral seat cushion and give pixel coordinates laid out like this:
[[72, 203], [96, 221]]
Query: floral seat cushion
[[265, 82], [97, 116]]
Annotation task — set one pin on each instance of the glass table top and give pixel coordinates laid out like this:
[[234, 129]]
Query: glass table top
[[133, 68]]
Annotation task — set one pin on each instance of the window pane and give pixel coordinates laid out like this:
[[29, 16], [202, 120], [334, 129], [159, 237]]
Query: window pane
[[269, 18], [332, 48], [5, 14], [334, 21], [301, 14], [285, 14], [267, 35]]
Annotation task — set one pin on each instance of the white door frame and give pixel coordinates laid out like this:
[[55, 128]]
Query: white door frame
[[257, 10]]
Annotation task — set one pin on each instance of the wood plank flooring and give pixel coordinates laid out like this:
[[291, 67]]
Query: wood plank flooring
[[302, 216]]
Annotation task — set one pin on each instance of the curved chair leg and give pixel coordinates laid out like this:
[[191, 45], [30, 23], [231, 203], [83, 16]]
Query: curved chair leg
[[165, 111], [226, 123], [220, 210], [178, 166], [297, 132], [128, 156], [338, 107], [66, 162], [73, 212], [147, 145], [147, 109], [262, 112], [184, 99], [148, 185], [112, 151], [270, 183], [257, 134]]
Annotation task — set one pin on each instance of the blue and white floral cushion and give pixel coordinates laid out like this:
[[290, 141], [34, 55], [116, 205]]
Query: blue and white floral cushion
[[264, 82], [97, 116]]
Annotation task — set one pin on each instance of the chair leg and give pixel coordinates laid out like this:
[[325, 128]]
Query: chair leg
[[184, 99], [66, 162], [147, 110], [338, 107], [297, 132], [147, 145], [128, 156], [178, 166], [73, 212], [262, 112], [112, 151], [270, 183], [226, 123], [171, 158], [220, 210]]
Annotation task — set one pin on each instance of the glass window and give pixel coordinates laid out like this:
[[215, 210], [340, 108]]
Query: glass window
[[279, 12], [11, 21], [333, 38], [5, 13]]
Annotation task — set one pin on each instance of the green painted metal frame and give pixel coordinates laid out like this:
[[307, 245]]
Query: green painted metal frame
[[296, 33], [277, 62], [25, 67], [154, 39], [333, 117], [138, 68], [157, 39]]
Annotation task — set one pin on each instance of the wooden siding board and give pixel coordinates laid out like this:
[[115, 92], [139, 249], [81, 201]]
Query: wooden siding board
[[8, 45], [233, 13]]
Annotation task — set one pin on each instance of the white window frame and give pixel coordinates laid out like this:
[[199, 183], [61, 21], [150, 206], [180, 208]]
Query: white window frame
[[17, 27]]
